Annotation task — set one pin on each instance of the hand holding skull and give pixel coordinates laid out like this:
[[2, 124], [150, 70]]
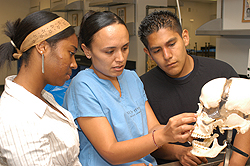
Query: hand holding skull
[[178, 129]]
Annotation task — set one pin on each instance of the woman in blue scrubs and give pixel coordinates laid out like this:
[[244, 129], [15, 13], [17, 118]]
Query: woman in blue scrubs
[[116, 124]]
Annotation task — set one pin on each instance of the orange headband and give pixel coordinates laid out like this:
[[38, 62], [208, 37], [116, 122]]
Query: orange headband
[[44, 32]]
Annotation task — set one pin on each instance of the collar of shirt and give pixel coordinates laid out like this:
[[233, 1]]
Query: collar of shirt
[[21, 94]]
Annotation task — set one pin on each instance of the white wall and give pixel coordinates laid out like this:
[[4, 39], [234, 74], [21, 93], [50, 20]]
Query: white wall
[[233, 50], [200, 12], [11, 10], [232, 15], [195, 14]]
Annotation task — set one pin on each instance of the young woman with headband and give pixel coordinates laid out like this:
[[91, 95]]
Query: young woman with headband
[[116, 124], [34, 129]]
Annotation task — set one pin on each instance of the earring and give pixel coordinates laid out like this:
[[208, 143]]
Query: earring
[[42, 63], [88, 56]]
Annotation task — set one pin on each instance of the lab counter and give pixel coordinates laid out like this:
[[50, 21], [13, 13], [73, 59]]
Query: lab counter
[[211, 161]]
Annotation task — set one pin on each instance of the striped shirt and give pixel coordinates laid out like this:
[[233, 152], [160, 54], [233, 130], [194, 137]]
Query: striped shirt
[[32, 133]]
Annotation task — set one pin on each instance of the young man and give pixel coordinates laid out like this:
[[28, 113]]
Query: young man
[[174, 86]]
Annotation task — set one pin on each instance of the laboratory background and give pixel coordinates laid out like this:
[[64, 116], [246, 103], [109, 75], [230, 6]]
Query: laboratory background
[[218, 29]]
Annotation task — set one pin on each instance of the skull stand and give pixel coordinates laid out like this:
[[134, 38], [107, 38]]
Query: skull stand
[[230, 147]]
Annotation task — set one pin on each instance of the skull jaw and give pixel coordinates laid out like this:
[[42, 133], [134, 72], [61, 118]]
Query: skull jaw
[[203, 151]]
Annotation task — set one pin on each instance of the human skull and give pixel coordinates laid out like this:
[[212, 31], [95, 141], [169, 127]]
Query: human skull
[[224, 103]]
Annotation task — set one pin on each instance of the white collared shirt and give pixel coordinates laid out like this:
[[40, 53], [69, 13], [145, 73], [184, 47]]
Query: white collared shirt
[[32, 133]]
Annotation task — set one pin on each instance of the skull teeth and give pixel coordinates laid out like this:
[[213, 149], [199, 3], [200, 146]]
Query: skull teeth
[[201, 149], [203, 136], [199, 145]]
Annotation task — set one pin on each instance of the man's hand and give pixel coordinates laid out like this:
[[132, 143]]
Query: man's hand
[[186, 158]]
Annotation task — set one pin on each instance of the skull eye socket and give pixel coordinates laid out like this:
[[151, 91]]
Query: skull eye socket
[[212, 112]]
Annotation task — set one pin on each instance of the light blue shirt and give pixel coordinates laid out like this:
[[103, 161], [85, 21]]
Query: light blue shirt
[[90, 96]]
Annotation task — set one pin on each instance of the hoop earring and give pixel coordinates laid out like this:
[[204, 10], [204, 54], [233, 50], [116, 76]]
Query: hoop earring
[[42, 63]]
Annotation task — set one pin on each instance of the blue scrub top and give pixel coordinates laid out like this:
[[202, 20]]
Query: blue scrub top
[[90, 96]]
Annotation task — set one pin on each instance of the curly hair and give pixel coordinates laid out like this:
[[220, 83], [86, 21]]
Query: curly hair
[[157, 20]]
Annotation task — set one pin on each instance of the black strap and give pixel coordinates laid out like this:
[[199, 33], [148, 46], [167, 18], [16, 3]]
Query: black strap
[[230, 146]]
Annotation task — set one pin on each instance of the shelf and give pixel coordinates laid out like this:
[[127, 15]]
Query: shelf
[[108, 3], [34, 6], [61, 6]]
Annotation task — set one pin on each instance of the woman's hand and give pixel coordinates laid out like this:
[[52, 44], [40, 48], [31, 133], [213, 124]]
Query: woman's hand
[[178, 128]]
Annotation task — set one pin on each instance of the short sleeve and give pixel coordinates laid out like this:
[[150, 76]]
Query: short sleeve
[[80, 100]]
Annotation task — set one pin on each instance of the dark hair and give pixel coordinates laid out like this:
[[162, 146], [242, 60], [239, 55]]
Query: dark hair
[[93, 21], [17, 31], [157, 20]]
